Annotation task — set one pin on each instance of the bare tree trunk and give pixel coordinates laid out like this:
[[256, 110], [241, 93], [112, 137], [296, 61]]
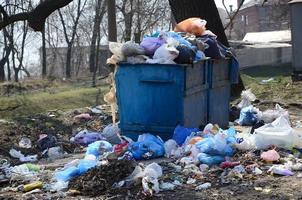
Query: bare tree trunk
[[128, 26], [68, 60], [44, 64], [9, 75], [70, 41], [138, 33], [99, 13], [4, 60], [97, 61], [20, 55], [112, 33]]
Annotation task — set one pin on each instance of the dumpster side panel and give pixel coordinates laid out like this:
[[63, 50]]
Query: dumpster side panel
[[150, 97], [219, 92], [195, 102]]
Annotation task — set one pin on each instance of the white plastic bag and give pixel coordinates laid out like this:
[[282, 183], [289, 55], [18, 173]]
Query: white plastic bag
[[112, 133], [150, 180], [170, 146], [247, 97], [269, 116], [278, 133], [150, 184], [116, 49], [153, 170], [164, 55]]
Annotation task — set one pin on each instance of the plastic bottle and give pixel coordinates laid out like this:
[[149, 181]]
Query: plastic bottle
[[32, 186]]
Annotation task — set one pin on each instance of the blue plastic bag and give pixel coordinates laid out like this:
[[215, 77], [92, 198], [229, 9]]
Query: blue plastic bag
[[216, 145], [181, 133], [67, 174], [209, 159], [99, 147], [147, 146], [179, 38], [85, 165], [247, 116]]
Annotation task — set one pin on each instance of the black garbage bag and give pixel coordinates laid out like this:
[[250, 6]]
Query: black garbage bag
[[47, 142], [186, 55]]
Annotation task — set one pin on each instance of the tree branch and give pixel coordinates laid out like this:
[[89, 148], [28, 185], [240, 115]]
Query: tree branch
[[234, 15], [36, 18]]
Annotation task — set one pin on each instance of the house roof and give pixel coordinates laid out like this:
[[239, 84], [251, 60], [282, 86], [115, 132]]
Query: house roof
[[268, 36], [251, 3], [260, 3]]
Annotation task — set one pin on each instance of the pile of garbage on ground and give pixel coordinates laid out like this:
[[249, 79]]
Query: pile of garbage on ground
[[191, 157]]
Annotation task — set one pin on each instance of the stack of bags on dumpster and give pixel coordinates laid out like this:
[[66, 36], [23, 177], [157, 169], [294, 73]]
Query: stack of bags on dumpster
[[189, 42]]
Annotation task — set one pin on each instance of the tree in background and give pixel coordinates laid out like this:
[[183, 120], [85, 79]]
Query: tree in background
[[70, 36], [100, 9]]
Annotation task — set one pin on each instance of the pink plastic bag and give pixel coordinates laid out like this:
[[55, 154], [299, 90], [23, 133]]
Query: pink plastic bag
[[270, 156]]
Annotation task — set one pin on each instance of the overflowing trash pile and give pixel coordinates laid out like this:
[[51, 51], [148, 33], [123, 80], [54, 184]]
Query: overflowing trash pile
[[188, 43]]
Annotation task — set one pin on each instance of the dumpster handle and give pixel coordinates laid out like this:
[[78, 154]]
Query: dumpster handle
[[156, 81]]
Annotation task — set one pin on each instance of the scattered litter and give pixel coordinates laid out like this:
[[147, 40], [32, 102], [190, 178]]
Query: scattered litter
[[167, 186], [112, 133], [86, 137], [191, 181], [266, 81], [247, 97], [203, 167], [83, 116], [203, 186], [268, 116], [257, 171], [25, 143], [239, 169], [17, 154], [278, 133], [46, 141], [270, 156], [280, 170], [170, 146], [54, 153], [147, 146], [228, 164], [32, 186]]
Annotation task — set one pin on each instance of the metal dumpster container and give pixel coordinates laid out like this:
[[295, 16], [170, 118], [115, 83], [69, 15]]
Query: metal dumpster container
[[219, 92], [155, 98]]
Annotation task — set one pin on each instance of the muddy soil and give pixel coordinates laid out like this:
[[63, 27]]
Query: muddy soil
[[99, 180]]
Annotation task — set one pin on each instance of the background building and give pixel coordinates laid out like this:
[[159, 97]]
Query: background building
[[256, 16]]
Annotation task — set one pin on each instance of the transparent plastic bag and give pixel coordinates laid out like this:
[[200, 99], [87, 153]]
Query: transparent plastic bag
[[269, 116], [247, 97], [170, 147], [132, 49], [278, 133], [116, 49]]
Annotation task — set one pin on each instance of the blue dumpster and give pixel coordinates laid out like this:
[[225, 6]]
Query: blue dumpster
[[155, 98], [219, 91]]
